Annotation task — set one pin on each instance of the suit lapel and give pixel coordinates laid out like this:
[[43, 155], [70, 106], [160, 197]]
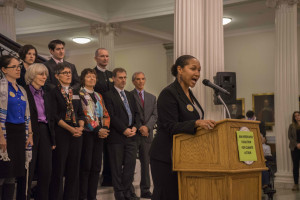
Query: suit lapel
[[137, 98], [31, 98], [185, 99], [117, 96]]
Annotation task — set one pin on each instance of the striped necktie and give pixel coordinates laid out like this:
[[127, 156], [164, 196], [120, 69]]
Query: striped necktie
[[126, 104]]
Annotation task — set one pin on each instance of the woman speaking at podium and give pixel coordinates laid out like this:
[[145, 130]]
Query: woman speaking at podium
[[178, 112]]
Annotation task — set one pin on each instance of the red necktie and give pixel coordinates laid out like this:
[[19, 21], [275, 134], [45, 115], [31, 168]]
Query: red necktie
[[142, 100]]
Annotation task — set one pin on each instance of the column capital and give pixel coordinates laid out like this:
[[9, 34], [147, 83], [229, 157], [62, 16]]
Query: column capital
[[168, 46], [19, 4], [276, 3], [105, 28]]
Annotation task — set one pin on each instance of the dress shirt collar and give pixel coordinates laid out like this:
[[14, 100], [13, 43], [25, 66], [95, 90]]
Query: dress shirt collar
[[101, 69], [138, 92], [57, 61], [119, 90], [66, 89], [35, 91]]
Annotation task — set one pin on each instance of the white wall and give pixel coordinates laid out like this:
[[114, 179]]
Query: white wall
[[150, 59], [252, 58]]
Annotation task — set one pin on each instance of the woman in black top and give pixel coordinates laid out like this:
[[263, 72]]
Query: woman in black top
[[69, 124], [42, 123], [294, 137], [178, 112], [28, 55]]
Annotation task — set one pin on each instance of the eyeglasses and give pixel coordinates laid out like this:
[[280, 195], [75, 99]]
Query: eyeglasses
[[66, 73], [15, 67]]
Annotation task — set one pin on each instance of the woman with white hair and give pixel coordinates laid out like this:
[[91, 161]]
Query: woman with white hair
[[42, 124]]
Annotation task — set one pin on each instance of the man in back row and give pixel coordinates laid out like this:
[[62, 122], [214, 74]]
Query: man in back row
[[146, 104], [104, 83], [57, 50], [104, 76]]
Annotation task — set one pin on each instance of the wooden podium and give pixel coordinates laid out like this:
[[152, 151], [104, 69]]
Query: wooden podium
[[208, 164]]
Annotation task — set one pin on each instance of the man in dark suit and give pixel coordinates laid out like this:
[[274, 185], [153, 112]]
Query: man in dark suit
[[146, 104], [125, 121], [104, 76], [104, 83], [57, 50]]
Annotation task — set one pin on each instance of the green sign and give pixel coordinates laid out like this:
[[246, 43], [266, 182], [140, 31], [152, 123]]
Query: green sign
[[246, 146]]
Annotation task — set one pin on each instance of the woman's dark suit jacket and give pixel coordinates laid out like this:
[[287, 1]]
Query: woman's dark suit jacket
[[173, 117], [34, 115], [59, 106]]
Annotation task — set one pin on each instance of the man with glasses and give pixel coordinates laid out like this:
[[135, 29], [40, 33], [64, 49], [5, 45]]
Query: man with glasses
[[57, 50]]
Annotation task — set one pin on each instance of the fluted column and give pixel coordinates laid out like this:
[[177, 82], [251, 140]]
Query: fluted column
[[7, 17], [106, 38], [199, 32], [286, 83], [170, 61]]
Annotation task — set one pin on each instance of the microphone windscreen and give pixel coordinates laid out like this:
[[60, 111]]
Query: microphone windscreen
[[205, 81]]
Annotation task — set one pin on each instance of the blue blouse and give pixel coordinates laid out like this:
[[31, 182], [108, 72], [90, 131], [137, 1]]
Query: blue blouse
[[16, 106]]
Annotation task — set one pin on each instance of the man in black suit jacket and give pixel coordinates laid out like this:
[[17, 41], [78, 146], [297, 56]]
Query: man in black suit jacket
[[146, 104], [104, 77], [104, 83], [125, 121], [57, 50]]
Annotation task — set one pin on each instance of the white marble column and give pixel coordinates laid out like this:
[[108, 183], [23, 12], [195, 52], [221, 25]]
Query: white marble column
[[199, 32], [286, 83], [170, 61], [7, 17], [106, 38]]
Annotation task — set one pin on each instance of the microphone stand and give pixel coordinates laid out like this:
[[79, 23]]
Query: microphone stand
[[220, 98]]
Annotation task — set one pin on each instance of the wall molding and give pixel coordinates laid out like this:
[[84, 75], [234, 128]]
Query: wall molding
[[164, 8], [66, 9], [50, 27]]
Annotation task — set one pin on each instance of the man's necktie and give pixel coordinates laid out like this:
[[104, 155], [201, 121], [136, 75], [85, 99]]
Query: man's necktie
[[126, 104], [141, 98]]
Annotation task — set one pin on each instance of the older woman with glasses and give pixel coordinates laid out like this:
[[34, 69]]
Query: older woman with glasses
[[69, 124], [97, 123], [43, 126], [15, 131]]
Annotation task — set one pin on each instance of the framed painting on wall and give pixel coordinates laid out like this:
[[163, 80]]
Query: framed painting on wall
[[237, 109], [263, 106]]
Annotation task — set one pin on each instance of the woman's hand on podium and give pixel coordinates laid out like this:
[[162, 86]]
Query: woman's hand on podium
[[206, 124]]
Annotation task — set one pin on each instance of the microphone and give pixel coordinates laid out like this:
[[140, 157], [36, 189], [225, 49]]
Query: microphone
[[215, 87]]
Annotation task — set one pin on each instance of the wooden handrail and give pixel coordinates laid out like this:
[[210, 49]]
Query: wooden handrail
[[14, 46]]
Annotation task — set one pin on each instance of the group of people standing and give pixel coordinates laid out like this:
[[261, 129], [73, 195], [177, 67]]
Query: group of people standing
[[65, 122], [54, 124]]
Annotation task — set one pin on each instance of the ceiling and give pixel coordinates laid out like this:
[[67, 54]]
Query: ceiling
[[141, 21]]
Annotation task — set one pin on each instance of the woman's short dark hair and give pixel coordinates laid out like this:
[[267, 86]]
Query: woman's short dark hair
[[84, 73], [60, 67], [181, 61], [24, 50], [5, 60]]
